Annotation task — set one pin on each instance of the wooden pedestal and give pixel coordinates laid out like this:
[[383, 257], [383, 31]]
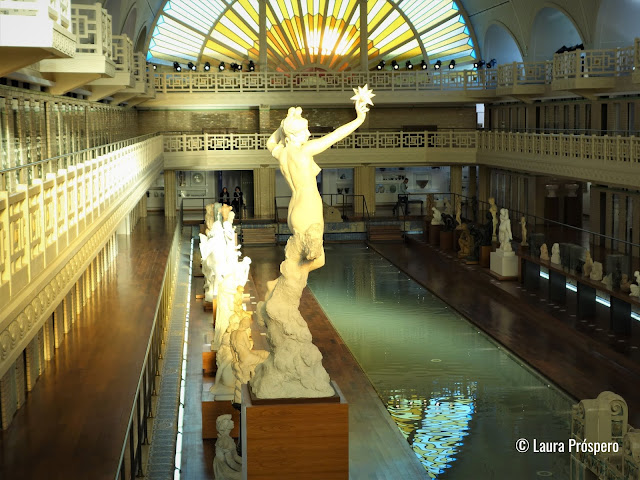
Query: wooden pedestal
[[446, 240], [434, 235], [209, 366], [485, 256], [295, 440]]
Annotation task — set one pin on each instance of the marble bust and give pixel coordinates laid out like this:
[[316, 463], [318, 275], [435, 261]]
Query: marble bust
[[544, 253], [596, 272], [555, 254], [437, 216], [227, 464]]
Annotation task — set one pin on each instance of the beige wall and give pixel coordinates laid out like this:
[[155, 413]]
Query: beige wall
[[247, 121]]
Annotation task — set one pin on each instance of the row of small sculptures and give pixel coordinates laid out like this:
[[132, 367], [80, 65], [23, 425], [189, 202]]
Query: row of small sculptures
[[594, 271]]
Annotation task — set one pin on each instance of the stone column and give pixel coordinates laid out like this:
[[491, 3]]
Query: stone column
[[455, 179], [264, 191], [622, 221], [484, 183], [364, 183], [143, 206], [265, 119], [170, 193], [635, 226], [473, 188], [608, 217]]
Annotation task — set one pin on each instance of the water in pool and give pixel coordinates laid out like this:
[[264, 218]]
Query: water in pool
[[461, 401]]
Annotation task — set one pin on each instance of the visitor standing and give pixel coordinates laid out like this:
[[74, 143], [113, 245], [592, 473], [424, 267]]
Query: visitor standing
[[224, 196], [237, 201]]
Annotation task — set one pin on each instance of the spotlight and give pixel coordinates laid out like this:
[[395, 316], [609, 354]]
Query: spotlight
[[452, 64], [381, 65], [478, 64], [424, 65], [252, 66], [408, 65], [491, 63], [207, 66], [154, 66], [395, 65], [437, 65], [221, 66], [236, 67], [177, 67], [191, 66]]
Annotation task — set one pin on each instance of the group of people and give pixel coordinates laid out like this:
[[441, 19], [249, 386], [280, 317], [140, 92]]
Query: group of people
[[237, 202]]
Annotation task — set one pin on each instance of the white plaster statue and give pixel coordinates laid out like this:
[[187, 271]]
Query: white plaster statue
[[437, 217], [505, 231], [294, 369], [523, 226], [596, 272], [555, 254], [447, 207], [245, 360], [227, 464], [625, 283], [588, 265], [458, 214], [225, 381], [209, 217], [608, 281], [493, 208], [635, 288], [544, 252]]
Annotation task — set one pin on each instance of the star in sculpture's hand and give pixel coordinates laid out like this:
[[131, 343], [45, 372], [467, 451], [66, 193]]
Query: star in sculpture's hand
[[363, 95]]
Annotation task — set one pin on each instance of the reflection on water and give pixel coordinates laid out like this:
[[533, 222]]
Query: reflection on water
[[459, 399]]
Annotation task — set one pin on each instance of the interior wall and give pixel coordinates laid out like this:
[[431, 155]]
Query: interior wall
[[550, 31], [499, 44], [617, 23]]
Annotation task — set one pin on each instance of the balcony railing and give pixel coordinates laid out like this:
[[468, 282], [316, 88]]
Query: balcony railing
[[612, 150], [419, 80], [92, 26], [56, 10], [361, 140], [612, 63], [123, 53]]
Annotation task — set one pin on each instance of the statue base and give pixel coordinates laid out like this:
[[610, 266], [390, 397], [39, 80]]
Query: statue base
[[485, 251], [504, 265], [434, 235], [295, 438], [446, 240]]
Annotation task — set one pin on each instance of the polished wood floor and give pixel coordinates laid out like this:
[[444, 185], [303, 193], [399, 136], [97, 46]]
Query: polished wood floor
[[582, 357], [74, 421]]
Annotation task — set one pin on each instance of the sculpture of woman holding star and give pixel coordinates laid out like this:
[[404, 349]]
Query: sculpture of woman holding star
[[294, 367], [290, 144]]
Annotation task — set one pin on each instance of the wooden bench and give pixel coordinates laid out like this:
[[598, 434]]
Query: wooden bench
[[259, 236], [385, 233]]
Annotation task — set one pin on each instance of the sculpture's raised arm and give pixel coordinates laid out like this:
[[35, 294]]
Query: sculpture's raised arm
[[363, 98], [275, 139]]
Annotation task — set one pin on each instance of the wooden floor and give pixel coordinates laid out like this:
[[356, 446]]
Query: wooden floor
[[74, 421], [583, 358]]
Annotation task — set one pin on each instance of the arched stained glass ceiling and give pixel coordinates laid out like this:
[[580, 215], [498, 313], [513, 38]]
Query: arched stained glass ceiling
[[310, 34]]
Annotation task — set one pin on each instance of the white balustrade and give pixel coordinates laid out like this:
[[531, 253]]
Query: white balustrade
[[378, 140], [92, 27], [123, 53], [612, 62], [520, 73], [54, 10]]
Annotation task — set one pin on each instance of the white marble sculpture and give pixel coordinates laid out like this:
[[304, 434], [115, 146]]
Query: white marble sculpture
[[227, 464], [245, 359], [224, 386], [596, 272], [209, 217], [294, 368], [523, 227], [493, 208], [635, 288], [505, 235], [588, 265], [437, 217], [555, 254], [234, 276], [544, 252], [608, 280], [458, 214]]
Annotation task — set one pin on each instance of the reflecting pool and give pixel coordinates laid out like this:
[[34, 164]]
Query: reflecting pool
[[461, 401]]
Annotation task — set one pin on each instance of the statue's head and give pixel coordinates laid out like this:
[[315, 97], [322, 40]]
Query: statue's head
[[245, 322], [294, 127], [224, 423]]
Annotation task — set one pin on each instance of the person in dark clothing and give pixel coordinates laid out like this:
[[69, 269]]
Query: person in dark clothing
[[224, 196], [238, 202]]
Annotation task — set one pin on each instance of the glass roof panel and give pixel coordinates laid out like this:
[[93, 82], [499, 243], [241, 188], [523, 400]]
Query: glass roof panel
[[310, 34]]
